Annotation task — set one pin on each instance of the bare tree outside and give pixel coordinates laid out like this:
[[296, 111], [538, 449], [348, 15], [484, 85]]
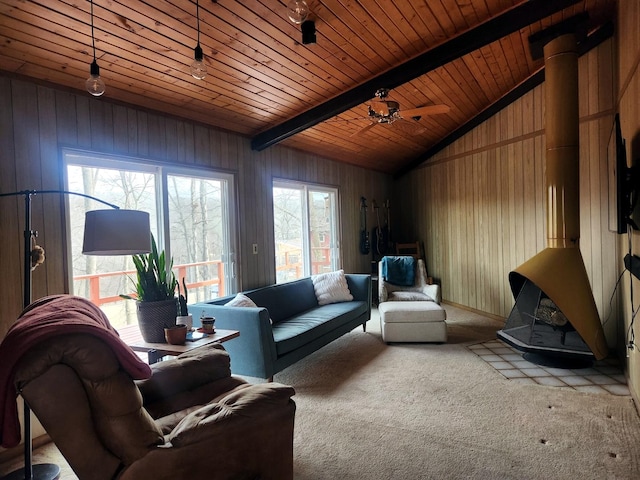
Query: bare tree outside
[[198, 230], [287, 226]]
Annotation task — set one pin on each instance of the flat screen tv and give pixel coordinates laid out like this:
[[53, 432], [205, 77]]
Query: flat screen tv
[[623, 182]]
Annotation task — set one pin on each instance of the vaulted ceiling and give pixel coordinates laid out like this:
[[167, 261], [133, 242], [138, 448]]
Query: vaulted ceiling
[[264, 83]]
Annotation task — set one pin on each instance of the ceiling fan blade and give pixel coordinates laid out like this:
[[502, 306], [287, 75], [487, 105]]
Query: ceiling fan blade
[[428, 110], [364, 129], [409, 126]]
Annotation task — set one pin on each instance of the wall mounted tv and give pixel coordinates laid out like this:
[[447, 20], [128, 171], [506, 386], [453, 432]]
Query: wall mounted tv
[[623, 183]]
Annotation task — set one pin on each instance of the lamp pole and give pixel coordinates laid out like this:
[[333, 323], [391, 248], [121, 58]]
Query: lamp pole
[[45, 471]]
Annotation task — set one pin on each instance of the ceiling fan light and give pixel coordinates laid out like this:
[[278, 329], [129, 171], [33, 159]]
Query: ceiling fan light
[[94, 84], [198, 67], [298, 11]]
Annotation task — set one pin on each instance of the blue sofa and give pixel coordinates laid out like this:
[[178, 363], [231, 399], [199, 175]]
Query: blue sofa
[[300, 326]]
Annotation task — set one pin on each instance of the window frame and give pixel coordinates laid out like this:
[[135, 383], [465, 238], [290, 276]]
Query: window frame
[[336, 230], [161, 171]]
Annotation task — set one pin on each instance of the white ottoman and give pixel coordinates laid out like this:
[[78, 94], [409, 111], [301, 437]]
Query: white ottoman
[[412, 322]]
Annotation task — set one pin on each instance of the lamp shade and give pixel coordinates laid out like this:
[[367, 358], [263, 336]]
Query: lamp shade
[[116, 232]]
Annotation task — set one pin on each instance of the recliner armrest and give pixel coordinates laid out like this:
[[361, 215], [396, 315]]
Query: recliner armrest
[[189, 379], [433, 291], [213, 420]]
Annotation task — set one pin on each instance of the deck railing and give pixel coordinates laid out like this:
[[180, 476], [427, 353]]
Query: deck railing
[[215, 282], [181, 271]]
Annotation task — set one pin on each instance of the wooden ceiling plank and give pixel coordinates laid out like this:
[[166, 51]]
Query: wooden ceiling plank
[[487, 32], [496, 6], [426, 16], [419, 20], [594, 39], [503, 63], [145, 62], [497, 59], [363, 25], [54, 60], [478, 68], [65, 58], [243, 58], [399, 19], [280, 48], [377, 24], [223, 60], [441, 15], [481, 10], [468, 14], [468, 88], [484, 58], [318, 54], [521, 55], [133, 56]]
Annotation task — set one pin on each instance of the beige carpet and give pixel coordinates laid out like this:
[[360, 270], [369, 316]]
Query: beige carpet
[[419, 411]]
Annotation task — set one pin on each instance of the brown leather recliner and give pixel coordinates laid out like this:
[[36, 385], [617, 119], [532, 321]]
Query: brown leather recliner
[[190, 420]]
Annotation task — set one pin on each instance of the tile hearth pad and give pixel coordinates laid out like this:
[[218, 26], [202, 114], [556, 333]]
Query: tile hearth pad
[[604, 376]]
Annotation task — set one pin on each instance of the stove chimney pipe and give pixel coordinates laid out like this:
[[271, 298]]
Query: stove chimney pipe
[[562, 135]]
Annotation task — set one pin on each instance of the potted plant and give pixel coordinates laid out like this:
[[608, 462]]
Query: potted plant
[[184, 317], [156, 304]]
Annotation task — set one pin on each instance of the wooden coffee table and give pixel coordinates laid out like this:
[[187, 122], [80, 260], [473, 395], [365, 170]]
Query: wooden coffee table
[[155, 351]]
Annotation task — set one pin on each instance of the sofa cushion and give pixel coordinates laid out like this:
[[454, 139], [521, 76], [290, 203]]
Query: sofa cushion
[[286, 299], [297, 331], [331, 287], [408, 296]]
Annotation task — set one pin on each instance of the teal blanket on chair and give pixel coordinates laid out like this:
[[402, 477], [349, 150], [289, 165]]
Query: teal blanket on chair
[[399, 270]]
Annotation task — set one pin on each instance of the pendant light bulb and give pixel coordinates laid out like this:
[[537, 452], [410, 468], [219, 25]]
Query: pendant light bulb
[[298, 11], [94, 84], [198, 68]]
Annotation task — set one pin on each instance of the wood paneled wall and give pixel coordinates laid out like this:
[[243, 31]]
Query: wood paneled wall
[[628, 103], [479, 205], [36, 121]]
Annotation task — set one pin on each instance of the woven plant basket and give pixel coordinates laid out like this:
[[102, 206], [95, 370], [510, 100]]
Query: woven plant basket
[[154, 317]]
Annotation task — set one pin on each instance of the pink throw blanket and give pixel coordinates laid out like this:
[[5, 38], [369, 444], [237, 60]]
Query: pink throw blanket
[[43, 319]]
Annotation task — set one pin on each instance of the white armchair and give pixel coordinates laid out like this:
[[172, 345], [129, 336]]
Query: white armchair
[[422, 289]]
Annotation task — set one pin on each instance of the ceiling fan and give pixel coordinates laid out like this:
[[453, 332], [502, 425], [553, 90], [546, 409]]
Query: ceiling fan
[[384, 111]]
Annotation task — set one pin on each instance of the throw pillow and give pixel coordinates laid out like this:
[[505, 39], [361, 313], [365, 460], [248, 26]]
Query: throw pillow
[[241, 300], [331, 288]]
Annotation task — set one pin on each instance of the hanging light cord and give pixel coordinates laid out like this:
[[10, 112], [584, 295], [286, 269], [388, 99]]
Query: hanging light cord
[[93, 38], [197, 18]]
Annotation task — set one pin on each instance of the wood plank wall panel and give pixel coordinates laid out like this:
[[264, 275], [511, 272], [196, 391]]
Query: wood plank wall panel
[[38, 121], [486, 197], [628, 103]]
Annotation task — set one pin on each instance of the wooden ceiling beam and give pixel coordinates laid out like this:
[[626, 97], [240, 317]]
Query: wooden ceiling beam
[[493, 29]]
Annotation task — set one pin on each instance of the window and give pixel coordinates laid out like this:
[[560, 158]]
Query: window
[[190, 211], [305, 229]]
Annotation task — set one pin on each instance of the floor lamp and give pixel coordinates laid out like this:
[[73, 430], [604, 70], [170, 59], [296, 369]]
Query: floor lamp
[[106, 232]]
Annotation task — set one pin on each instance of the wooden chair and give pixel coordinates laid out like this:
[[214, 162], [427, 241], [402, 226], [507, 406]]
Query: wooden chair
[[412, 249]]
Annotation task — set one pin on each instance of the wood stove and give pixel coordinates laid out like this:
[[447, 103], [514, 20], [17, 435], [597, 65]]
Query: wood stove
[[555, 313]]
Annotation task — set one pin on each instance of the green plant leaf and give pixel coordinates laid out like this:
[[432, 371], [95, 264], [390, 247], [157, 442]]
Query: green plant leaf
[[153, 282]]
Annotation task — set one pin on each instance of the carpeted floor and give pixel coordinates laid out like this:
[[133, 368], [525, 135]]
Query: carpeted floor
[[367, 410]]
